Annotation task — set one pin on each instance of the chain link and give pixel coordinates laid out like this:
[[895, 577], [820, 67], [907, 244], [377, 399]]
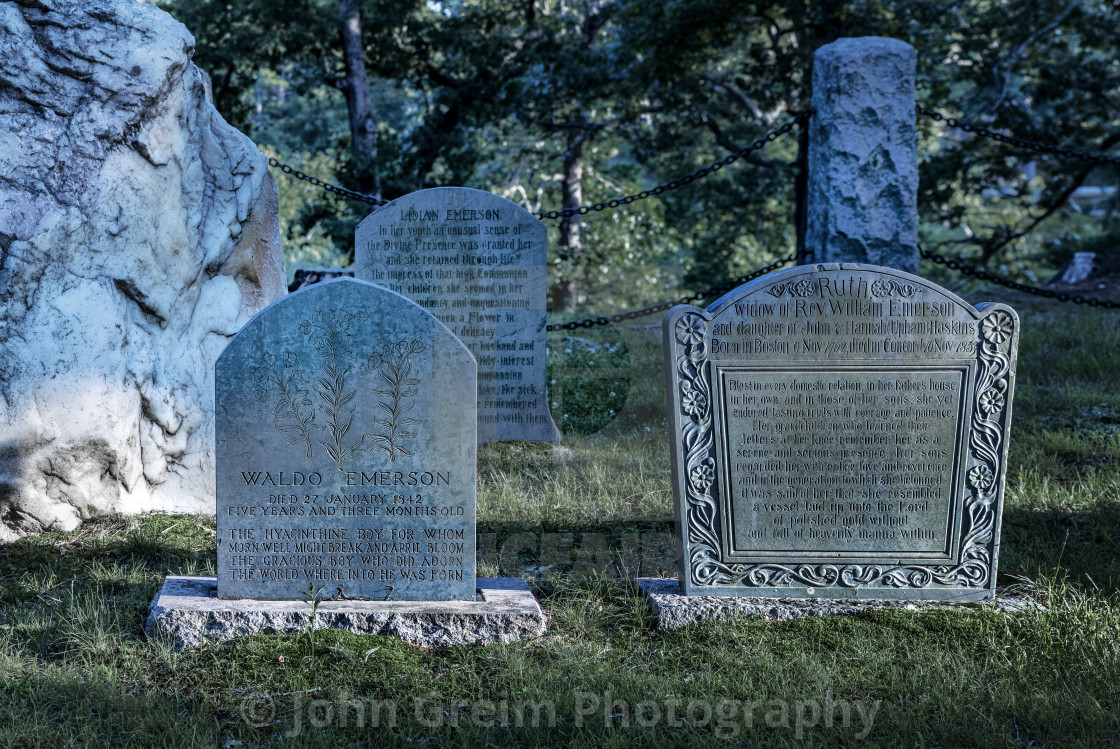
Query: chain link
[[719, 290], [1087, 156], [583, 210], [770, 137], [971, 270], [326, 185]]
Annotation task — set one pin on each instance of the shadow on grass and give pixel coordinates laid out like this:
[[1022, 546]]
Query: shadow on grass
[[1083, 545], [88, 592], [70, 707]]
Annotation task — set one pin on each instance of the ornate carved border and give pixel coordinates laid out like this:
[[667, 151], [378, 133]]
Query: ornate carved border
[[983, 471]]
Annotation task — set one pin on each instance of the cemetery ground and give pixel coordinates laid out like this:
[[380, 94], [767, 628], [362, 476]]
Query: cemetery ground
[[77, 670]]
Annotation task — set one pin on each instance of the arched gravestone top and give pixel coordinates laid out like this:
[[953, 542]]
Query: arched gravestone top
[[840, 431], [345, 420], [477, 262]]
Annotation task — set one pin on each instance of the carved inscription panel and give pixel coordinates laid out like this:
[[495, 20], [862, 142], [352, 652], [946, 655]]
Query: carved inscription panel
[[840, 463], [840, 431], [477, 262], [345, 451]]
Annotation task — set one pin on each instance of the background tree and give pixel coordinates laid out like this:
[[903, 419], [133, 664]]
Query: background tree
[[557, 104]]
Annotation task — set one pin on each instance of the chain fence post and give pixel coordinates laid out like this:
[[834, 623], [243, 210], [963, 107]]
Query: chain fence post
[[863, 155]]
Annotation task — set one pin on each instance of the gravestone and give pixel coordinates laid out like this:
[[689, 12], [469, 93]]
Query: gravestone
[[840, 431], [477, 262], [862, 196], [346, 451]]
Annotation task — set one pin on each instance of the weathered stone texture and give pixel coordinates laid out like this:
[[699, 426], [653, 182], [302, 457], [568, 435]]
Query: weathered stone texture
[[138, 232], [185, 614], [675, 610], [346, 414], [863, 155]]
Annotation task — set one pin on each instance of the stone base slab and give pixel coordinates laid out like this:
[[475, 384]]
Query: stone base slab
[[186, 613], [675, 610]]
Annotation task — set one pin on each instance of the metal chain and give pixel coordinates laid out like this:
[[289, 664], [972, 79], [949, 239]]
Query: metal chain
[[720, 290], [770, 137], [1095, 158], [326, 185], [584, 209], [970, 270], [1090, 157]]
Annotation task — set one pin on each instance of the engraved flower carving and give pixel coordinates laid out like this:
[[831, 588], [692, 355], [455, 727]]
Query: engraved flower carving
[[305, 327], [690, 330], [268, 359], [693, 401], [290, 360], [881, 287], [997, 328], [703, 475], [804, 287], [981, 478], [992, 401]]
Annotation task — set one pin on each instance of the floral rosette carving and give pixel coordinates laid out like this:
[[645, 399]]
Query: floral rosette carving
[[883, 287], [804, 287], [698, 441], [985, 444]]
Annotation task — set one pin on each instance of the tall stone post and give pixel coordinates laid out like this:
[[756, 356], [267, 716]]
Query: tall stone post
[[863, 155]]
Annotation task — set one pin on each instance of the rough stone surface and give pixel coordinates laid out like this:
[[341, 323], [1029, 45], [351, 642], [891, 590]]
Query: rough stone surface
[[1077, 270], [138, 232], [477, 262], [185, 614], [346, 450], [675, 610], [863, 155]]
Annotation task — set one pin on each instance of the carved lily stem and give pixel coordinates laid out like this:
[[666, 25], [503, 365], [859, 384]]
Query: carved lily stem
[[288, 399]]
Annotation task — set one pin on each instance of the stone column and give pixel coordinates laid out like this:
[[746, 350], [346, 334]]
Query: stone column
[[863, 155]]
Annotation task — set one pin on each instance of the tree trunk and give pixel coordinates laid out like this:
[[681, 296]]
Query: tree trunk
[[363, 128], [571, 197]]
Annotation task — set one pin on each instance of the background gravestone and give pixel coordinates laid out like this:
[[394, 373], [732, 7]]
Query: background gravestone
[[862, 199], [346, 451], [138, 232], [840, 431], [477, 262]]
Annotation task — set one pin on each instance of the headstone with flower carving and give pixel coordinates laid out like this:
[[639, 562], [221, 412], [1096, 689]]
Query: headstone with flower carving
[[840, 431], [346, 451]]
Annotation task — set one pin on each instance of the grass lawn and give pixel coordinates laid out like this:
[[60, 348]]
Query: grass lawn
[[76, 669]]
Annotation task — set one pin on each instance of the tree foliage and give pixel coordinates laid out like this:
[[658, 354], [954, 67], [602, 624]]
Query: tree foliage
[[557, 103]]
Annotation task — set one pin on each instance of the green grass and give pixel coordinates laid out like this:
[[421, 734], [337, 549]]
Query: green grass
[[76, 669]]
